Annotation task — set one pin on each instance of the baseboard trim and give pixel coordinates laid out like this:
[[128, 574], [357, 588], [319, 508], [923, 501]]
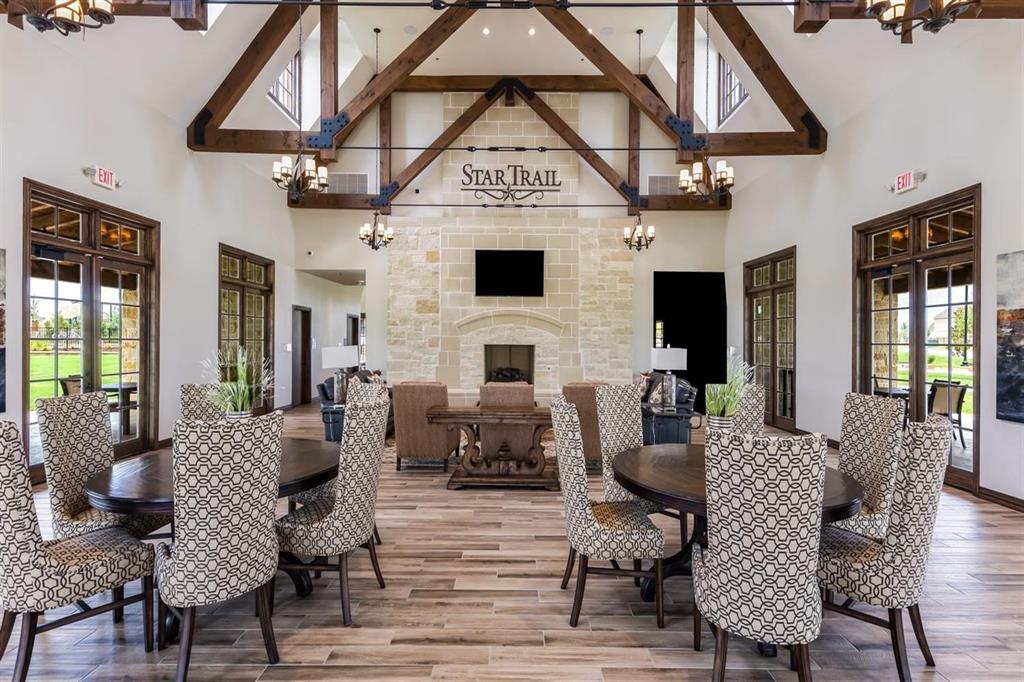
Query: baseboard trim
[[1002, 499], [165, 443]]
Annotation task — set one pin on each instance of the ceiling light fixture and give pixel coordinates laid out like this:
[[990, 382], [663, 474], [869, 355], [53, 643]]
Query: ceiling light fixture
[[931, 15], [376, 234], [532, 31], [300, 175], [635, 238], [66, 17], [486, 31]]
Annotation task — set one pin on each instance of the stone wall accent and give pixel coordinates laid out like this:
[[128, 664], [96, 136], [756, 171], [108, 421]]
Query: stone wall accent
[[581, 328]]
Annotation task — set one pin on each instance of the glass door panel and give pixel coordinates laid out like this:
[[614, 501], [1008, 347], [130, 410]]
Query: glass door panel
[[762, 340], [120, 350], [785, 350]]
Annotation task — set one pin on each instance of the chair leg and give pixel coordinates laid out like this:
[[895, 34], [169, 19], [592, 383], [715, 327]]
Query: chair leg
[[637, 565], [376, 566], [161, 624], [6, 628], [376, 535], [696, 628], [721, 649], [147, 612], [581, 585], [922, 641], [659, 591], [960, 426], [444, 465], [291, 506], [28, 639], [263, 600], [118, 594], [899, 645], [188, 629], [802, 654], [398, 463], [346, 609], [568, 567]]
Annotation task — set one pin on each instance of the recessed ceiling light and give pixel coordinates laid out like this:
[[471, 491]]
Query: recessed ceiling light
[[532, 31], [486, 31], [411, 30], [590, 31], [606, 31]]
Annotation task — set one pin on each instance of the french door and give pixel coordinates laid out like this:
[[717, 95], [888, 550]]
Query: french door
[[916, 308], [770, 320], [89, 315]]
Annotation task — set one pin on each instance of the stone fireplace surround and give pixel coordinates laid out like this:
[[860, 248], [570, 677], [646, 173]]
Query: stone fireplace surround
[[437, 328]]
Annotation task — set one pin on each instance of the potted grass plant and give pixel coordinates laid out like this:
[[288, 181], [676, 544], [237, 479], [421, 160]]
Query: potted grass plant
[[242, 382], [722, 400]]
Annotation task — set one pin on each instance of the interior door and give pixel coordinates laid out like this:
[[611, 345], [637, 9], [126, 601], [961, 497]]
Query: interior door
[[301, 356]]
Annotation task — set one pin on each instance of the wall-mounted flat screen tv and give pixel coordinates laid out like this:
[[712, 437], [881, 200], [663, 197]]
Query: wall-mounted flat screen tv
[[509, 273]]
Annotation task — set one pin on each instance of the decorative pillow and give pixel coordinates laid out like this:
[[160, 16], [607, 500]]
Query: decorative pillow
[[643, 383], [655, 397]]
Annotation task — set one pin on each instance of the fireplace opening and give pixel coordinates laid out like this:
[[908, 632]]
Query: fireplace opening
[[508, 362]]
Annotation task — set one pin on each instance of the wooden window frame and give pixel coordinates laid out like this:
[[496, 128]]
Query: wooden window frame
[[148, 258], [242, 284], [919, 255], [295, 64], [772, 288], [728, 83]]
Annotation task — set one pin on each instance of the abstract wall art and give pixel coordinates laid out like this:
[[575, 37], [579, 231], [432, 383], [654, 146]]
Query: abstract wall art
[[1010, 336]]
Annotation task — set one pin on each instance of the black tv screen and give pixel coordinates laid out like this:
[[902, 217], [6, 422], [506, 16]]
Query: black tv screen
[[509, 273]]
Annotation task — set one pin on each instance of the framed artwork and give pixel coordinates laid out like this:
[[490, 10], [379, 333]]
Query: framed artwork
[[1010, 336]]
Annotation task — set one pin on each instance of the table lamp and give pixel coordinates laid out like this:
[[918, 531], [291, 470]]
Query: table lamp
[[668, 359], [338, 358]]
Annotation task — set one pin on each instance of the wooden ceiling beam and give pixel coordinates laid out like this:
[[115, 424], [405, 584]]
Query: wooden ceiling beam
[[633, 172], [810, 16], [240, 141], [334, 131], [243, 74], [988, 9], [685, 39], [190, 15], [384, 135], [483, 83], [790, 143], [328, 69]]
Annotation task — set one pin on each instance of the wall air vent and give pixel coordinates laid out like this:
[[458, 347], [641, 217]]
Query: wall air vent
[[348, 183], [662, 185]]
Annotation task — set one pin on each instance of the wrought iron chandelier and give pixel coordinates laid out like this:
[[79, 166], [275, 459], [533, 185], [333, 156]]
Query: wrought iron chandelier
[[635, 238], [300, 175], [67, 17], [376, 234], [931, 15], [701, 182]]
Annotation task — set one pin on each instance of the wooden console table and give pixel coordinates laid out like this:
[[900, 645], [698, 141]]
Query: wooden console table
[[506, 468]]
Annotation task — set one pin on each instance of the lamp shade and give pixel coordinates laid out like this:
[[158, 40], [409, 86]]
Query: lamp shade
[[668, 358], [336, 357]]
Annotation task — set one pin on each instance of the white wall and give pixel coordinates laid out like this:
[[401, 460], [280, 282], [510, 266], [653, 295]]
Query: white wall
[[48, 132], [330, 305], [962, 121]]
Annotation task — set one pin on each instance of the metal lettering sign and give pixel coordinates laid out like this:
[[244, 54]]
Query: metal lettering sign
[[514, 182]]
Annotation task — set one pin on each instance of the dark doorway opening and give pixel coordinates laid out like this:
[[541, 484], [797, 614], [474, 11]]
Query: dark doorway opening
[[689, 312], [353, 330], [302, 353]]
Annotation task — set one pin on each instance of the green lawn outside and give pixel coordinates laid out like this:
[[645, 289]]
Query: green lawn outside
[[937, 369], [68, 364]]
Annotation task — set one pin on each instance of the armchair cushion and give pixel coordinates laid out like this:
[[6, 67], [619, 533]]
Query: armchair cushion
[[414, 437]]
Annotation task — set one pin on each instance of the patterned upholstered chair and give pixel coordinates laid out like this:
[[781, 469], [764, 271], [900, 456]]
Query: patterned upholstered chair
[[890, 573], [37, 575], [74, 431], [336, 525], [197, 403], [583, 394], [869, 446], [756, 576], [226, 476], [749, 417], [620, 425], [600, 530]]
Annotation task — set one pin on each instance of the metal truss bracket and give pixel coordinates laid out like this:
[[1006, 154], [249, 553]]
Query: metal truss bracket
[[328, 129]]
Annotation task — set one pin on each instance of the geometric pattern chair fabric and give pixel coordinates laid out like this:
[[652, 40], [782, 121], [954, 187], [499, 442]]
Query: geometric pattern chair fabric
[[890, 573], [756, 576], [74, 432], [620, 425], [869, 446], [335, 525], [225, 477], [599, 530], [38, 575], [197, 403], [749, 417]]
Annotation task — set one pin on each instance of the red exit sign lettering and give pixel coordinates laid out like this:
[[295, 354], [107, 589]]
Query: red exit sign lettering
[[104, 177], [905, 182]]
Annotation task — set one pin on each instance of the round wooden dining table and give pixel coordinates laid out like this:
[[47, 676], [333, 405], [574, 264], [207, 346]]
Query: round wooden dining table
[[145, 485]]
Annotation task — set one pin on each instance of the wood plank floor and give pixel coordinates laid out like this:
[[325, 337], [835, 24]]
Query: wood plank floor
[[473, 594]]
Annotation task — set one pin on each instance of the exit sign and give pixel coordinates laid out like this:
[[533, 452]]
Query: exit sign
[[905, 182], [104, 177]]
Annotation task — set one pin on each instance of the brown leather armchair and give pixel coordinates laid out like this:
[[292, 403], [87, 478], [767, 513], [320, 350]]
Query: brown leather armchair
[[583, 394], [517, 439], [414, 437]]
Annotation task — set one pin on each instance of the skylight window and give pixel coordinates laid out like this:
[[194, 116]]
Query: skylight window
[[731, 93], [286, 89]]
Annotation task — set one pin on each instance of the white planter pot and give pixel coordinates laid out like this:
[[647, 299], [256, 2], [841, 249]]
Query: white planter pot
[[720, 423], [233, 416]]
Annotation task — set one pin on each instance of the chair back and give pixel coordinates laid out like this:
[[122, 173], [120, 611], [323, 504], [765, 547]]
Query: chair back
[[326, 391], [362, 451], [620, 424], [946, 398], [20, 537], [915, 502], [583, 394], [414, 437], [869, 446], [749, 417], [226, 479], [364, 391], [197, 403], [506, 394], [764, 524], [74, 432], [572, 470], [71, 385]]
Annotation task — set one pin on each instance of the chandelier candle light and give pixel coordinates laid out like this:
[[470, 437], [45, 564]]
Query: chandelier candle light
[[713, 186], [635, 237], [376, 235], [66, 17], [931, 15]]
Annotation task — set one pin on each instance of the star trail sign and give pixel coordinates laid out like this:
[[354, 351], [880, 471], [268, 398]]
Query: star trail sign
[[514, 182]]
